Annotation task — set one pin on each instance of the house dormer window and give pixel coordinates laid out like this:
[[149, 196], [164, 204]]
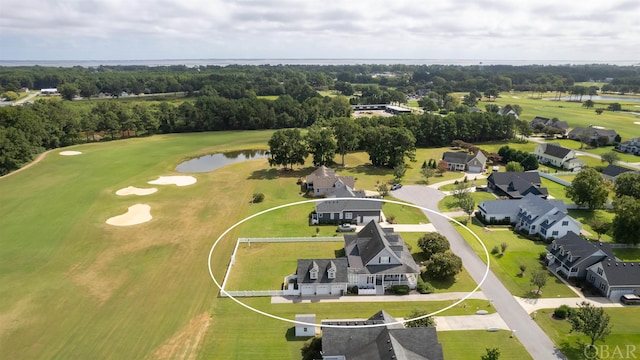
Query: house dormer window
[[331, 274], [384, 260], [600, 271], [565, 223], [313, 274]]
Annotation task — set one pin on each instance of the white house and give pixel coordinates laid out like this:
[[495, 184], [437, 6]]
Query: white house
[[322, 277], [302, 330], [462, 161], [594, 132], [345, 205], [558, 156], [324, 180], [631, 146], [571, 255], [531, 214]]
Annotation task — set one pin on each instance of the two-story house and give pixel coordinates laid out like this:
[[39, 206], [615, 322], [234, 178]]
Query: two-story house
[[631, 146], [543, 122], [571, 255], [594, 132], [530, 214], [515, 185], [558, 156], [324, 180]]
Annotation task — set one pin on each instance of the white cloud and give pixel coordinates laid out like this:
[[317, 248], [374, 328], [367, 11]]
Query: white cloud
[[481, 29]]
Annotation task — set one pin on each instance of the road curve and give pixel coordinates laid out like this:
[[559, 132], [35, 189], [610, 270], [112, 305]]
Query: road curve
[[527, 331]]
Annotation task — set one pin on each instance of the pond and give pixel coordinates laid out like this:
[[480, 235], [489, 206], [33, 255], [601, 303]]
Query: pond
[[215, 161], [596, 98]]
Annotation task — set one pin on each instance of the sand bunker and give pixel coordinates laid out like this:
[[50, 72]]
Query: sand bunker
[[70, 153], [637, 122], [174, 180], [136, 214], [132, 190]]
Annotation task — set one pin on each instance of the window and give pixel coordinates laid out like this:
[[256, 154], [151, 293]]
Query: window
[[592, 278], [554, 233], [600, 271], [348, 216], [493, 218], [384, 260], [313, 274], [602, 286], [331, 274], [304, 329], [369, 279], [533, 227], [565, 223]]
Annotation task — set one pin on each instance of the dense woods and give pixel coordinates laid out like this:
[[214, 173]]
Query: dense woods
[[214, 98]]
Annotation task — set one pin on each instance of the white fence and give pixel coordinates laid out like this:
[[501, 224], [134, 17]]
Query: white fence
[[252, 293], [556, 179], [286, 240]]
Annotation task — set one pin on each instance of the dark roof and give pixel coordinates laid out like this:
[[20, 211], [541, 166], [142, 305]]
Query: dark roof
[[493, 207], [621, 273], [456, 157], [556, 150], [324, 177], [381, 342], [518, 184], [615, 170], [322, 265], [580, 249], [335, 206], [364, 246]]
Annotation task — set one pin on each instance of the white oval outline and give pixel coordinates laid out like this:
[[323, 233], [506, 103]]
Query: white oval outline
[[484, 277]]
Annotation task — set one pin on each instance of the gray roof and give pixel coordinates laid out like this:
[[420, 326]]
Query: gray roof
[[537, 207], [382, 342], [580, 250], [322, 265], [456, 157], [501, 206], [518, 184], [593, 131], [621, 273], [556, 150], [324, 177], [336, 205], [345, 192], [369, 242], [615, 170]]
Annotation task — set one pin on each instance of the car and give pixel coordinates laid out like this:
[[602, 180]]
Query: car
[[630, 299], [396, 186], [346, 228]]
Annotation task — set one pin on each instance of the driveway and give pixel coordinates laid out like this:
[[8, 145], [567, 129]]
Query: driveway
[[528, 332]]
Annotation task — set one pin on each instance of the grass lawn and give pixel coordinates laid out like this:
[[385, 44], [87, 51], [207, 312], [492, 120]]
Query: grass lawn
[[573, 112], [572, 144], [585, 216], [506, 267], [462, 345], [451, 187], [627, 254], [625, 331], [268, 97], [556, 190], [403, 214], [450, 203]]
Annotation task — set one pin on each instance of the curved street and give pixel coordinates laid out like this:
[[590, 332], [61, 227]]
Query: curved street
[[518, 320]]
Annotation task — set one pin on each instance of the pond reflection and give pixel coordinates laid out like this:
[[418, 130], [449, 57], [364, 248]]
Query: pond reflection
[[215, 161]]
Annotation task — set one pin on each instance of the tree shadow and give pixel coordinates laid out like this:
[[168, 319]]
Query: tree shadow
[[340, 253], [575, 350], [442, 284]]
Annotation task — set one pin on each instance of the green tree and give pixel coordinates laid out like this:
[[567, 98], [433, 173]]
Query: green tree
[[538, 279], [584, 137], [10, 95], [467, 204], [442, 167], [588, 104], [433, 243], [600, 226], [587, 188], [470, 100], [312, 349], [428, 104], [383, 189], [591, 321], [287, 148], [492, 108], [68, 90], [614, 107], [347, 135], [610, 157], [87, 89], [423, 322], [427, 172], [461, 189], [389, 146], [399, 171], [628, 184], [514, 166], [626, 223], [443, 265], [321, 145], [491, 354]]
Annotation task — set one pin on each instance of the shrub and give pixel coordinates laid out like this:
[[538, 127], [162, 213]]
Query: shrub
[[562, 312], [495, 250], [400, 289], [503, 247], [258, 198], [542, 256], [424, 287], [353, 290]]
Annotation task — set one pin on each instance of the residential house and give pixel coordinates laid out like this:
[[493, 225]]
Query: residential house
[[572, 254], [508, 110], [323, 180], [343, 341], [345, 205], [322, 276], [463, 161], [595, 132], [515, 185], [632, 146], [378, 259], [530, 214], [615, 278], [611, 172], [558, 156], [563, 126]]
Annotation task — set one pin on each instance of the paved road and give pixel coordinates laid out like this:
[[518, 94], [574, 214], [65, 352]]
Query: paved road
[[528, 332]]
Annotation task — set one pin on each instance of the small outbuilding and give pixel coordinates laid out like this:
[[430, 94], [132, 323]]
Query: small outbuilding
[[302, 330]]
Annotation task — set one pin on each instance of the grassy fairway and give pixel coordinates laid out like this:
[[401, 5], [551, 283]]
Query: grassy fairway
[[625, 332]]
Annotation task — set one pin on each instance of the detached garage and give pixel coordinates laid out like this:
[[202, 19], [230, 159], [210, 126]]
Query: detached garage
[[322, 277]]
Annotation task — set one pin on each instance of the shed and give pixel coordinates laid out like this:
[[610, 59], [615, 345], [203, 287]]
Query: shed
[[305, 330]]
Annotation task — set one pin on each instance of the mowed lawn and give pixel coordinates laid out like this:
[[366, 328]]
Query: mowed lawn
[[506, 267], [625, 334]]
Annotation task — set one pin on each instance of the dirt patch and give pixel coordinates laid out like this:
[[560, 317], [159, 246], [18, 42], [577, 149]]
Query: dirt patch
[[70, 153], [185, 343], [132, 190], [14, 317], [136, 214], [174, 180]]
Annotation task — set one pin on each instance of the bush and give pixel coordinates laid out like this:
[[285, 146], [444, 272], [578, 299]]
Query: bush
[[542, 256], [424, 287], [400, 289], [257, 198], [495, 250], [353, 290], [562, 312]]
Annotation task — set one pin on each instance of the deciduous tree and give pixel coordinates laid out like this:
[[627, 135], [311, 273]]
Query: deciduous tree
[[467, 204], [443, 265], [626, 224], [610, 157], [538, 279], [427, 321], [587, 188], [321, 145], [287, 148], [347, 134], [433, 243], [628, 184], [591, 321], [491, 354], [514, 166]]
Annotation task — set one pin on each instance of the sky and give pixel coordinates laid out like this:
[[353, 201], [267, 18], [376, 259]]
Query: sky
[[602, 31]]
